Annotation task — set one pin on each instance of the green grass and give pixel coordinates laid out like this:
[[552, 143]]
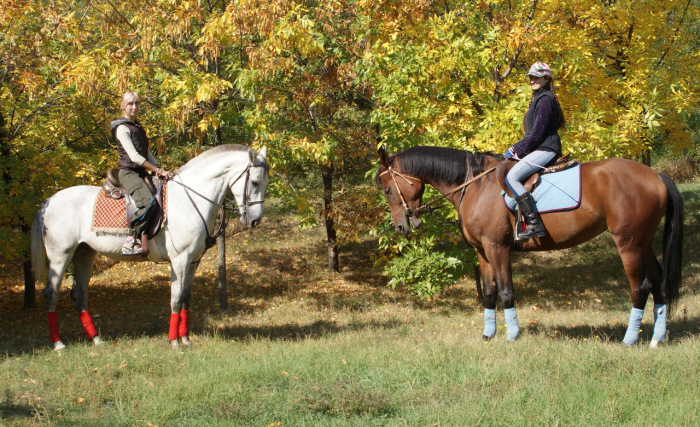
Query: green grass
[[302, 347]]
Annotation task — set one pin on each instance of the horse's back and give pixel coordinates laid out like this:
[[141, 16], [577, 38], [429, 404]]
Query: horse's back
[[67, 215], [623, 178], [625, 191], [70, 201]]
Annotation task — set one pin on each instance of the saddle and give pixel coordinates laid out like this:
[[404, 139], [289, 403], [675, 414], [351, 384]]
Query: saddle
[[114, 189], [530, 184]]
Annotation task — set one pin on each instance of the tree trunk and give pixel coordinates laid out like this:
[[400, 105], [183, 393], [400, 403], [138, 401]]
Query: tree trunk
[[333, 262], [29, 286], [223, 292], [221, 251]]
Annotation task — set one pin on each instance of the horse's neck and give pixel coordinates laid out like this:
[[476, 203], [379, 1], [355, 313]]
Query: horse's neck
[[211, 181], [476, 179]]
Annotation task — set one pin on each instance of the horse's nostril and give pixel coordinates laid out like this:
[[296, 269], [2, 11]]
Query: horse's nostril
[[254, 223], [399, 228]]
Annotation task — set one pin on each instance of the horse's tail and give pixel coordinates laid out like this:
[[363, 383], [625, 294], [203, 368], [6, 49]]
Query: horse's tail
[[39, 258], [673, 242]]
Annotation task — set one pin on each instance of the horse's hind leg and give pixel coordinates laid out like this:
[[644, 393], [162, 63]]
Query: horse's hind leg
[[640, 273], [654, 275], [82, 271], [57, 268]]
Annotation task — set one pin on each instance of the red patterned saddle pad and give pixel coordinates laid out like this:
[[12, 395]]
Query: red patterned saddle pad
[[109, 215]]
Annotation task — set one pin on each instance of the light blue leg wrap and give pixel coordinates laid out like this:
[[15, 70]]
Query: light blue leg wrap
[[489, 322], [512, 324], [660, 322], [633, 327]]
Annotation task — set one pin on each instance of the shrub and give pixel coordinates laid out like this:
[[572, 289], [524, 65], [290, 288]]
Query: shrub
[[681, 169]]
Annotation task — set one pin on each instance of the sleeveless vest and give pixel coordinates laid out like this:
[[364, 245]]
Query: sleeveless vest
[[138, 137], [551, 140]]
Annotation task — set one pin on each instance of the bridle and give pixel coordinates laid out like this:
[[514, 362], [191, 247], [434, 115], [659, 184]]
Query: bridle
[[427, 206], [393, 174], [223, 219]]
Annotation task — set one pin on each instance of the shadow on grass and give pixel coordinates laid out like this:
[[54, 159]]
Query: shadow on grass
[[678, 327], [297, 332], [10, 412]]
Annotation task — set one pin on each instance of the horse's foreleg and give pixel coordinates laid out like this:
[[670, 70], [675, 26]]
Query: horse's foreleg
[[496, 275], [181, 284], [499, 257], [82, 270]]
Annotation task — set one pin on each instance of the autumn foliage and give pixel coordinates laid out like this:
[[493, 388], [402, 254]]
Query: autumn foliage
[[321, 83]]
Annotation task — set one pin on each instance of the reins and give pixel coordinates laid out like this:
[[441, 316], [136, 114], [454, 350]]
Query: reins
[[426, 206], [462, 187], [223, 219]]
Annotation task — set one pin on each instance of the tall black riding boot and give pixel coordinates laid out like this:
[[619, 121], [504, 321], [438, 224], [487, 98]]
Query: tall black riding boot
[[534, 228]]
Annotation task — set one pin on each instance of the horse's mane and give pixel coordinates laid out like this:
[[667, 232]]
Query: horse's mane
[[439, 164], [212, 152]]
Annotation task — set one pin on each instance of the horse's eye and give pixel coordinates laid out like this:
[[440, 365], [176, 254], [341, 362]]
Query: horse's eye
[[255, 183], [387, 191]]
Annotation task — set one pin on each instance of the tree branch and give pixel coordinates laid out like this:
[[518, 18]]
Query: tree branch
[[673, 39], [500, 78]]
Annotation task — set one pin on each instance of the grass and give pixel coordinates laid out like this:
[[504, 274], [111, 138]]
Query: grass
[[301, 346]]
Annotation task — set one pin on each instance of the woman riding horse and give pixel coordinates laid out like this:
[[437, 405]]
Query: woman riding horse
[[135, 161], [539, 148]]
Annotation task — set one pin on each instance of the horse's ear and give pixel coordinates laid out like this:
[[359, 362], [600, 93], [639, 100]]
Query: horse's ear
[[263, 153], [383, 156]]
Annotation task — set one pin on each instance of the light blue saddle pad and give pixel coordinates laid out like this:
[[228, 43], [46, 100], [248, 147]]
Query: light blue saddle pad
[[558, 191]]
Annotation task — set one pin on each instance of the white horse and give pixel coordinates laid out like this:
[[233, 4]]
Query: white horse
[[62, 231]]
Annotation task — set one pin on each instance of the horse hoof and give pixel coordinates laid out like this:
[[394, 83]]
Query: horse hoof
[[58, 346], [486, 338], [185, 341], [654, 344], [97, 341]]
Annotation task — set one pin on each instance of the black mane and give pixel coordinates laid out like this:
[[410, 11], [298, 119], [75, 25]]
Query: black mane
[[439, 164]]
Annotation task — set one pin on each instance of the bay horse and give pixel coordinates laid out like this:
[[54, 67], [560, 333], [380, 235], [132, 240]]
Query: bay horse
[[62, 232], [622, 196]]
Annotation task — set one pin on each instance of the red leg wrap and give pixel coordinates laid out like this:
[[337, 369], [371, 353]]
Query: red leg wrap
[[174, 326], [184, 323], [54, 336], [90, 329]]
